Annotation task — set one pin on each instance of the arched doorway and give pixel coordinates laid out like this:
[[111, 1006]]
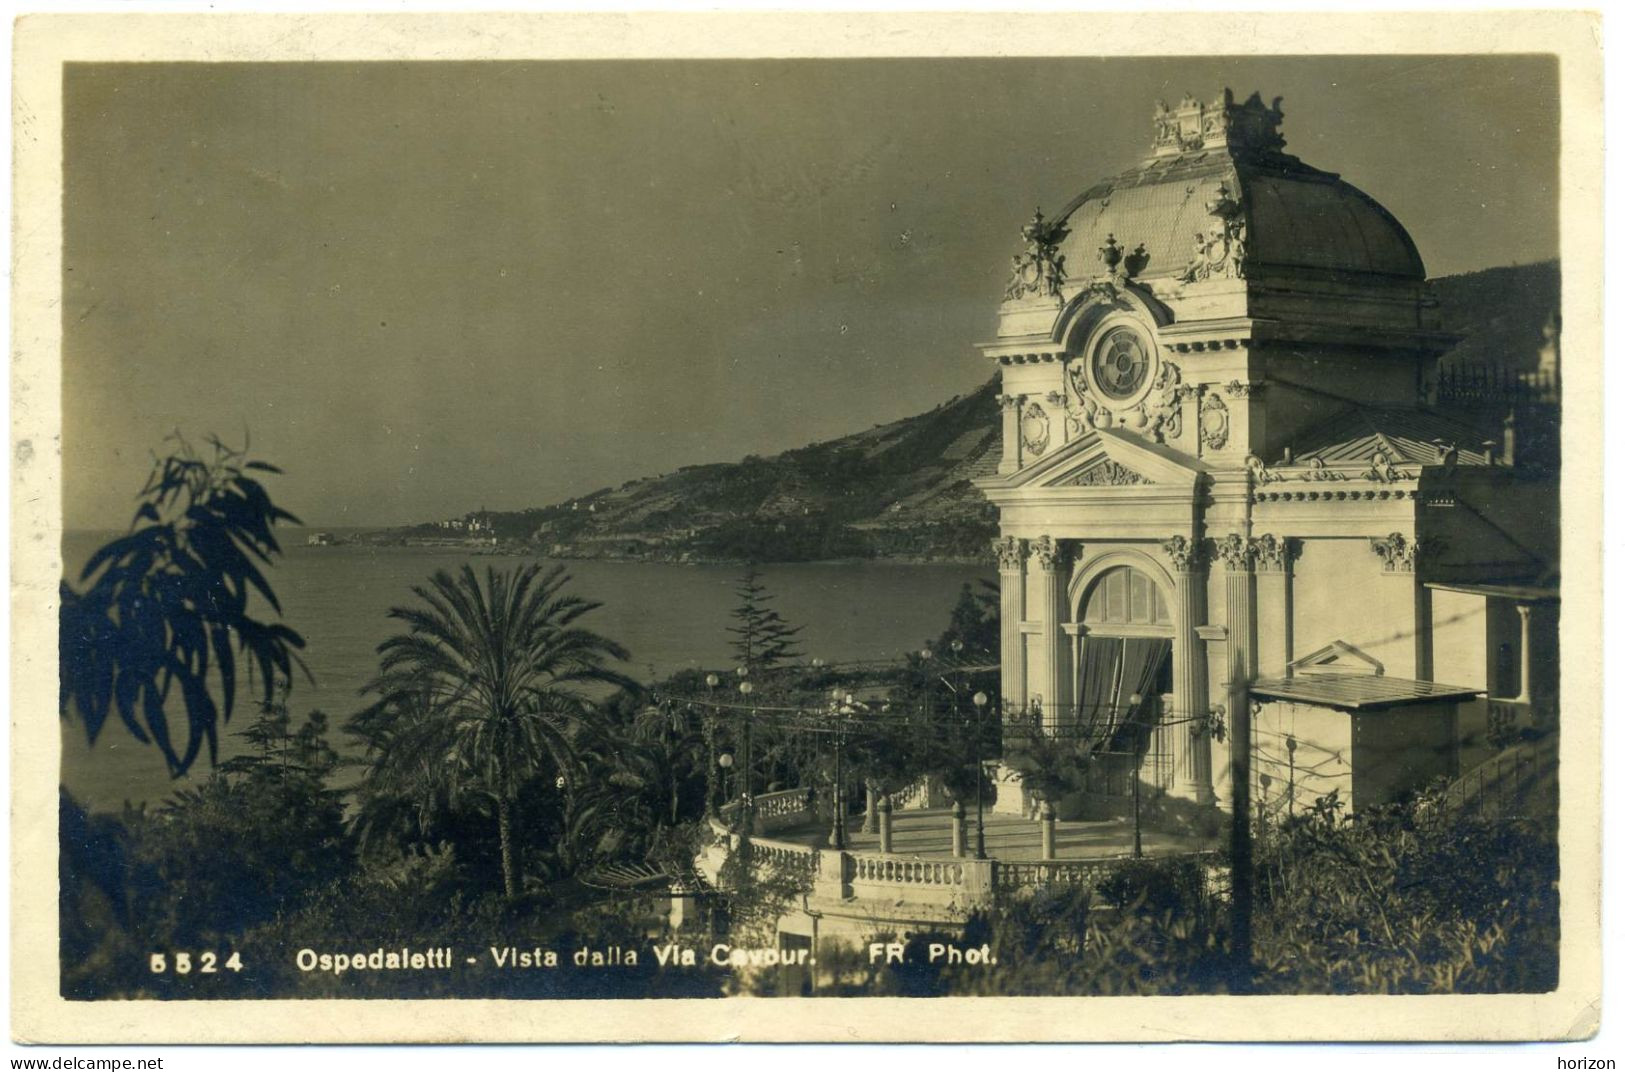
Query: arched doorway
[[1124, 681]]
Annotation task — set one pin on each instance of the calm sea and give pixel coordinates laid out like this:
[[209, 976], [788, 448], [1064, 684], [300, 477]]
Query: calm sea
[[669, 617]]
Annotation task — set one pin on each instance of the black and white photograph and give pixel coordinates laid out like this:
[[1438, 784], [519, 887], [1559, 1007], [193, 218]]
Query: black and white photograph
[[807, 524]]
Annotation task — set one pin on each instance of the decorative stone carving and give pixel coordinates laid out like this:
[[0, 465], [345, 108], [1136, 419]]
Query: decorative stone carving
[[1316, 469], [1236, 551], [1122, 265], [1183, 552], [1008, 401], [1261, 473], [1160, 414], [1221, 250], [1039, 269], [1398, 554], [1009, 551], [1193, 125], [1382, 469], [1091, 412], [1214, 422], [1051, 553], [1237, 389], [1035, 429], [1272, 553], [1106, 474]]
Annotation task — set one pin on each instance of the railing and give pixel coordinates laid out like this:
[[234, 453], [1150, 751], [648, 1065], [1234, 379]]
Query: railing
[[787, 803], [907, 795], [1519, 783], [1479, 384], [953, 885], [907, 872], [1510, 718], [795, 860], [1009, 876]]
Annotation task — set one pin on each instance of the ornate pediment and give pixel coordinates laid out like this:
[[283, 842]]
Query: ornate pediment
[[1102, 457], [1103, 474]]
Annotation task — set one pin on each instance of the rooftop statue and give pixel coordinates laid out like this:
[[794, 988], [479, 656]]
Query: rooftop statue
[[1038, 269]]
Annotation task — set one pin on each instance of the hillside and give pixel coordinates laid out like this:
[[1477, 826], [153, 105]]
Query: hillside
[[902, 490], [898, 490], [1500, 312]]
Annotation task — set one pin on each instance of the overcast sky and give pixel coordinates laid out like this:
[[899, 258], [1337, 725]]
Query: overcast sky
[[424, 288]]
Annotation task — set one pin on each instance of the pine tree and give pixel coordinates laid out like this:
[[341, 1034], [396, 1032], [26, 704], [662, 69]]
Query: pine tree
[[762, 639]]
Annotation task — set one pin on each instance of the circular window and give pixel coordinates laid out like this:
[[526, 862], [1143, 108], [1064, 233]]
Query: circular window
[[1120, 363]]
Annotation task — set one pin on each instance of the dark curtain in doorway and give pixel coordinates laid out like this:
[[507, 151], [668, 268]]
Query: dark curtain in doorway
[[1143, 658], [1111, 672], [1102, 658]]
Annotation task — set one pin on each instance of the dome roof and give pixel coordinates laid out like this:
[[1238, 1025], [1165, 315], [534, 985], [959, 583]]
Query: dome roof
[[1224, 160]]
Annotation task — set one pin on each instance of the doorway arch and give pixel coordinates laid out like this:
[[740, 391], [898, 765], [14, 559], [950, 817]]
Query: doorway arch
[[1123, 664]]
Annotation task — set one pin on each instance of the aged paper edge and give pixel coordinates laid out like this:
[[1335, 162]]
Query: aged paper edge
[[43, 43]]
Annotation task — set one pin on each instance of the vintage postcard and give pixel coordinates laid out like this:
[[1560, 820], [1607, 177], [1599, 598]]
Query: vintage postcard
[[540, 527]]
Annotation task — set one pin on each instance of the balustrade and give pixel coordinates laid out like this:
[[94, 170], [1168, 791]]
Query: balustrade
[[891, 869], [1019, 875], [953, 881]]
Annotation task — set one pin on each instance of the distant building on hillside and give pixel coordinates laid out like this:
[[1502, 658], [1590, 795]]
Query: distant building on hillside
[[1230, 489]]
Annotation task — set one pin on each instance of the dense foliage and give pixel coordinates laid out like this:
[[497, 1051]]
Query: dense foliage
[[167, 608], [263, 832], [1405, 900]]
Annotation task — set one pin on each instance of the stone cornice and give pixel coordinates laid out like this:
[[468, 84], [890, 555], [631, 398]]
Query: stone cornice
[[1336, 493]]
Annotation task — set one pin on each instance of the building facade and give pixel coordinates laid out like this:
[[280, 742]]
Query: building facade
[[1225, 497]]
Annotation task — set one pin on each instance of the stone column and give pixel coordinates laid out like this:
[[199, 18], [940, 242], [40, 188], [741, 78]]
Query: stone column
[[1046, 831], [1240, 654], [885, 824], [1274, 564], [1010, 411], [1525, 666], [1012, 608], [1424, 631], [1237, 552], [1054, 565], [1399, 560], [957, 832], [1193, 757]]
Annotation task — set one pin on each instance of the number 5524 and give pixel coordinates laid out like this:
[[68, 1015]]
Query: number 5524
[[182, 962]]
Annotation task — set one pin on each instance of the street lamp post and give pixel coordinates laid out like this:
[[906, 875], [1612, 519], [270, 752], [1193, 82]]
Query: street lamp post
[[726, 761], [837, 833], [1291, 774], [711, 683], [747, 800], [980, 700]]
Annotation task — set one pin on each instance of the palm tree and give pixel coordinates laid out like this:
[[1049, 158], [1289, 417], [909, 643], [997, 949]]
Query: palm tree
[[478, 695]]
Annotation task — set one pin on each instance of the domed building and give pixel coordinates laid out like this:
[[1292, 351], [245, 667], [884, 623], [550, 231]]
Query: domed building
[[1224, 499]]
